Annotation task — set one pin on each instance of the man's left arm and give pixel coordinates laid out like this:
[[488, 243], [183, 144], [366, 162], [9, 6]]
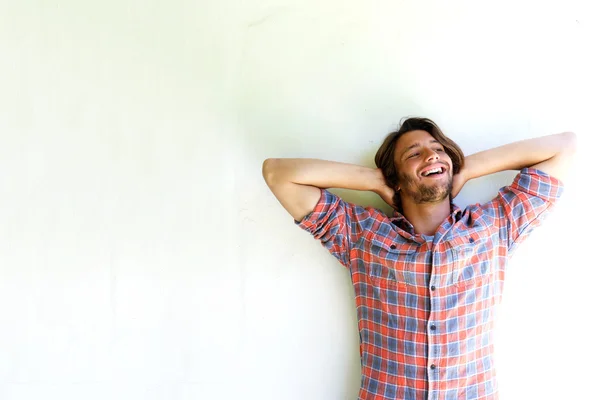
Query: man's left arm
[[520, 207], [551, 154]]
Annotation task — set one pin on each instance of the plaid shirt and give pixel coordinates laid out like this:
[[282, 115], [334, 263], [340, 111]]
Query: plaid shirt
[[426, 304]]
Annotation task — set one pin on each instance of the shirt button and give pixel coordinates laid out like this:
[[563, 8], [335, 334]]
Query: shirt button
[[432, 366], [432, 327], [432, 288], [393, 246], [471, 240]]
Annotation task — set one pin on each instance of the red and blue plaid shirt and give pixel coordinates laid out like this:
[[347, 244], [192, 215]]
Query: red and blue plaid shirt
[[426, 304]]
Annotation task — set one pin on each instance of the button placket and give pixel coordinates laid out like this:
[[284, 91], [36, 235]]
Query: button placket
[[434, 348]]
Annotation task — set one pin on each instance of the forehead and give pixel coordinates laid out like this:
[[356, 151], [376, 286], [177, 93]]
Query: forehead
[[409, 139]]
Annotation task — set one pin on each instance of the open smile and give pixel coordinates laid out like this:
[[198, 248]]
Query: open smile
[[434, 171]]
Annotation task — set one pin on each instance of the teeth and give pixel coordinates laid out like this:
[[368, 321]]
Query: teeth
[[431, 171]]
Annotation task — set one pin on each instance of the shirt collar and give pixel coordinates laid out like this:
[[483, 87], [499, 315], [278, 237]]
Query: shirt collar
[[401, 222]]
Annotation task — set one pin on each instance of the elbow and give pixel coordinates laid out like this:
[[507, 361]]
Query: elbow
[[268, 170]]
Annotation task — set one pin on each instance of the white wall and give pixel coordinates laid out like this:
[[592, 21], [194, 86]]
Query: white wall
[[143, 257]]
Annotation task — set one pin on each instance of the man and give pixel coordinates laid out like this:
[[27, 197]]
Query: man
[[428, 279]]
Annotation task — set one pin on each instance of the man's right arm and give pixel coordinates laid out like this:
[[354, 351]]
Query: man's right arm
[[297, 182]]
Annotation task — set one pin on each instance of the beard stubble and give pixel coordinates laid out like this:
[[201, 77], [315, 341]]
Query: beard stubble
[[423, 193]]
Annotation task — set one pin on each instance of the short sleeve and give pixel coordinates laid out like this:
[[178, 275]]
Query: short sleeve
[[521, 207], [336, 224]]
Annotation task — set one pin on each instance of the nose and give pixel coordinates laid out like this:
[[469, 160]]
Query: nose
[[432, 155]]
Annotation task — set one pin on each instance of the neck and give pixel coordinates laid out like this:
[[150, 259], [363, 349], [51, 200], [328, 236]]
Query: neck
[[426, 217]]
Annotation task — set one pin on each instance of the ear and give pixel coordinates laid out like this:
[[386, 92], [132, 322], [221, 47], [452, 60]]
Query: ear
[[398, 187]]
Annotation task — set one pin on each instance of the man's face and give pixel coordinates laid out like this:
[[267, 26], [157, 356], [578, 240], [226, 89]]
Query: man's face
[[424, 168]]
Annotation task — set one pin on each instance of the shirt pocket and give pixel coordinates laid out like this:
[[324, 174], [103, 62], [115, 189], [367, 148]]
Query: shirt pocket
[[470, 260], [390, 265], [388, 286]]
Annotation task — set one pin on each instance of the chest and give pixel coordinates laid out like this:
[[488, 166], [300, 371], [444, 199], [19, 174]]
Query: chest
[[457, 258]]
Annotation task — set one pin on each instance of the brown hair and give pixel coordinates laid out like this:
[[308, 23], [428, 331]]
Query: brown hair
[[384, 158]]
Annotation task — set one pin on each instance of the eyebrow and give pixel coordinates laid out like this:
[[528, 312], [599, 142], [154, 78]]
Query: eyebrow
[[412, 146]]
